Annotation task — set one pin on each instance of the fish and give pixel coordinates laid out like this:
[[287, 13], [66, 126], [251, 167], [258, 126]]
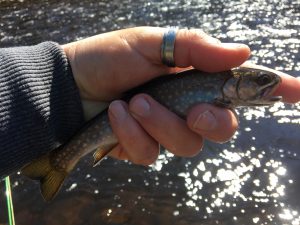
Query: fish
[[238, 87]]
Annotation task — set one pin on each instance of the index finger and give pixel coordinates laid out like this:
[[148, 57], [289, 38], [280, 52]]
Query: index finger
[[289, 88]]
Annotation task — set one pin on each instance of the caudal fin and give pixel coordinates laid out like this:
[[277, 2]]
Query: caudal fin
[[50, 179]]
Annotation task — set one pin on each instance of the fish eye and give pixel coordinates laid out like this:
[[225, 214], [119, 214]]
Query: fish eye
[[264, 79]]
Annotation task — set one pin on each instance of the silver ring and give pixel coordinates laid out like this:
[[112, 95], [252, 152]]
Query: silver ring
[[167, 47]]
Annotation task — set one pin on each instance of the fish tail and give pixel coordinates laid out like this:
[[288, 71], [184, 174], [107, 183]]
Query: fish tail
[[50, 178]]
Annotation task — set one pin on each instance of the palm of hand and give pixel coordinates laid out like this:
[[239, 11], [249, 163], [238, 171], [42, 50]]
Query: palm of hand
[[106, 66]]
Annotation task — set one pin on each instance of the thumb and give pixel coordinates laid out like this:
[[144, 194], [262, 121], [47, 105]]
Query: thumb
[[193, 47], [196, 48]]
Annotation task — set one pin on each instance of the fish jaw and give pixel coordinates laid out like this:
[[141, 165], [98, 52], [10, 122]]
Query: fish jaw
[[251, 87], [265, 96]]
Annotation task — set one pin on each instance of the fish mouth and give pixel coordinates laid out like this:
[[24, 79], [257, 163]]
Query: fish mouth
[[269, 100], [275, 98], [267, 94]]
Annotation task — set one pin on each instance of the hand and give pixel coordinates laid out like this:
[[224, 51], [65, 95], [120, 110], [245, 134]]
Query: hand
[[107, 65]]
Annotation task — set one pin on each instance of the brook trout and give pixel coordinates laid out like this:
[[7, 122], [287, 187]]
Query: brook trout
[[238, 87]]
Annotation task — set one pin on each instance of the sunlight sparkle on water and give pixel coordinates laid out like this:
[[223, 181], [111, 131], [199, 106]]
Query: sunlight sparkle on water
[[224, 175], [162, 159], [291, 216], [176, 213], [255, 113], [255, 220], [235, 173], [247, 174], [73, 186], [281, 171]]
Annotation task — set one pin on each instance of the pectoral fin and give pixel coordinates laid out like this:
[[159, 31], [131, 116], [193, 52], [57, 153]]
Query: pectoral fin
[[50, 179], [223, 103], [101, 152]]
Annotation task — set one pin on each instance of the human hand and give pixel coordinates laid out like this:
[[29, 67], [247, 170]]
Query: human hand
[[107, 65]]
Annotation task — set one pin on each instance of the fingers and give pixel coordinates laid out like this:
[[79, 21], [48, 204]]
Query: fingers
[[165, 127], [147, 123], [181, 137], [139, 146], [192, 48], [214, 123], [142, 46], [289, 89], [197, 49]]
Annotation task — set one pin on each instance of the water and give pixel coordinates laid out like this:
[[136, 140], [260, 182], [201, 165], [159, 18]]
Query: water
[[253, 179]]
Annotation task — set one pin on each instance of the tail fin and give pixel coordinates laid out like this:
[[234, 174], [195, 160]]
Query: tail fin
[[50, 179]]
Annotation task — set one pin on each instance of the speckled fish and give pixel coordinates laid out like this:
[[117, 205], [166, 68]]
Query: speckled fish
[[238, 87]]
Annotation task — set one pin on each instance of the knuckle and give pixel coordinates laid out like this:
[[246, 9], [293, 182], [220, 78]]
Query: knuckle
[[143, 96], [140, 95]]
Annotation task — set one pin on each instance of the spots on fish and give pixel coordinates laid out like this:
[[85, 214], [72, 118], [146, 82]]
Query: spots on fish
[[95, 136], [176, 94], [63, 166], [103, 122], [96, 126], [58, 158]]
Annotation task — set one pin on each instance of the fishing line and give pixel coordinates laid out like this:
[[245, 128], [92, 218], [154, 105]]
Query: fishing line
[[10, 209]]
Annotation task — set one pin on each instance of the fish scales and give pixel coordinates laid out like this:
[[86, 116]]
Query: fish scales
[[178, 92]]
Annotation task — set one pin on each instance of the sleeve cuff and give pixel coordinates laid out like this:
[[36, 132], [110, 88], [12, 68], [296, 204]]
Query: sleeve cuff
[[40, 106]]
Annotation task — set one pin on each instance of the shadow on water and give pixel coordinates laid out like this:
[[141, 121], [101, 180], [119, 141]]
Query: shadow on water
[[253, 179]]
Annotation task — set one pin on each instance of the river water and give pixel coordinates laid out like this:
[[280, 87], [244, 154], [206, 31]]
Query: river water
[[253, 179]]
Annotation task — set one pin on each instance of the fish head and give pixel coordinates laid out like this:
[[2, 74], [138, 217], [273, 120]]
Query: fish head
[[251, 87]]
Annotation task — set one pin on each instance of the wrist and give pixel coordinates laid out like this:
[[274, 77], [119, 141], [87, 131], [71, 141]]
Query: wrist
[[70, 50], [90, 108]]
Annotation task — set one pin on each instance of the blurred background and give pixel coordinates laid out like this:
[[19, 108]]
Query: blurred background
[[253, 179]]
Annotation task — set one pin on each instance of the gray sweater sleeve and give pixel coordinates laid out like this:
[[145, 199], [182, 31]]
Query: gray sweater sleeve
[[40, 106]]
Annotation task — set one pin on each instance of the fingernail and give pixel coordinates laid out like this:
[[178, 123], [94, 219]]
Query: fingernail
[[118, 111], [234, 45], [140, 107], [205, 121]]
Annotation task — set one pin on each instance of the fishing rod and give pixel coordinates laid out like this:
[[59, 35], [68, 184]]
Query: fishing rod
[[10, 208]]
